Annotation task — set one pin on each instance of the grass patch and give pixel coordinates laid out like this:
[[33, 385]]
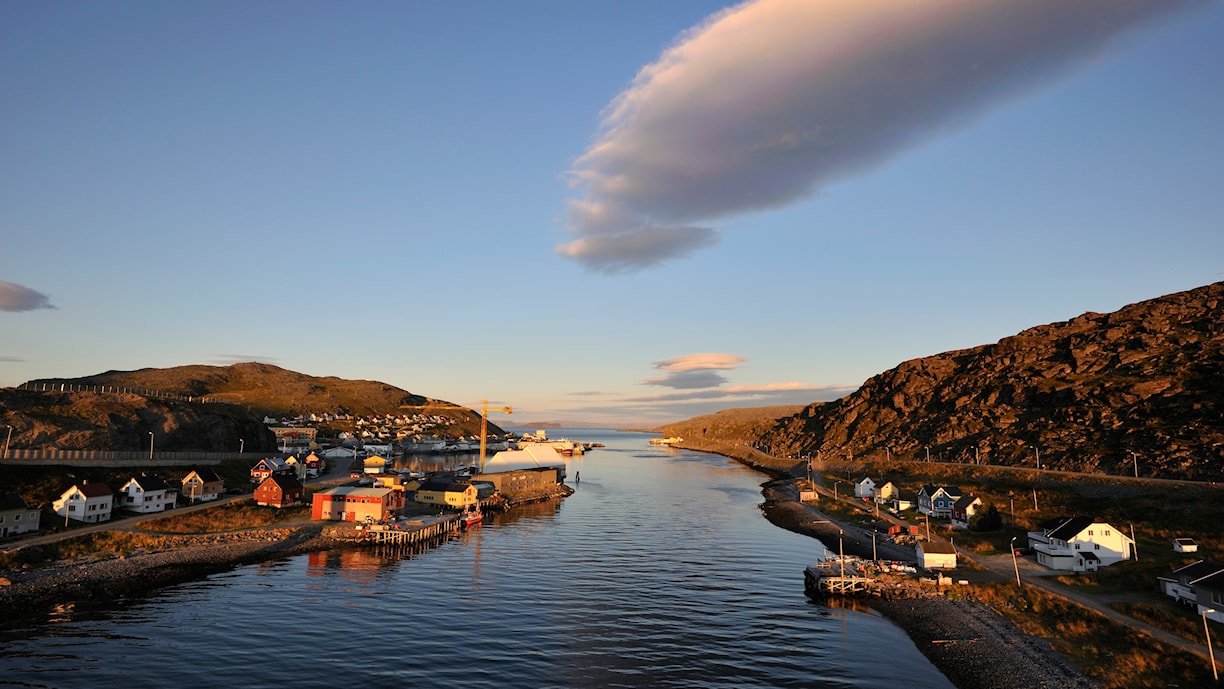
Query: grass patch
[[1116, 655], [233, 516]]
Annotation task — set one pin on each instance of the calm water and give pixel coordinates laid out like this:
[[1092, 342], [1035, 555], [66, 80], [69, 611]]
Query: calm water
[[658, 572]]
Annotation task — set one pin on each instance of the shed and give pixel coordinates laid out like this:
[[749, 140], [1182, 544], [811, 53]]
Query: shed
[[936, 555]]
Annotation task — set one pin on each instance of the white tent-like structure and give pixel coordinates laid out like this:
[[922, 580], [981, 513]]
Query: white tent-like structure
[[528, 456]]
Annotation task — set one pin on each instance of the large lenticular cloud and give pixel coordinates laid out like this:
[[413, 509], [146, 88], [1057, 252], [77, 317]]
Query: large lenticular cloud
[[769, 100]]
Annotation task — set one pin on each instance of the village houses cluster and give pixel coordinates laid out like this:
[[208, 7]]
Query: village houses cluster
[[1069, 543]]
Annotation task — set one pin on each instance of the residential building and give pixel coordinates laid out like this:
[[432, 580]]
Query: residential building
[[1080, 544], [270, 466], [16, 517], [964, 509], [451, 493], [1184, 545], [1209, 595], [885, 491], [935, 555], [1181, 585], [937, 501], [864, 488], [279, 490], [146, 494], [375, 464], [87, 502], [350, 503], [202, 485]]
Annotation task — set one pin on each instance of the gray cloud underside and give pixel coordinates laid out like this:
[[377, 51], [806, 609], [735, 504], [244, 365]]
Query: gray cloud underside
[[688, 380], [769, 101], [14, 297]]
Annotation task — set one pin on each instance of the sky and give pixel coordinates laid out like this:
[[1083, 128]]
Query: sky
[[597, 213]]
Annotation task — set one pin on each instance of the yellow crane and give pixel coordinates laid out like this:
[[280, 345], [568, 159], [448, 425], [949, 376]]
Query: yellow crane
[[484, 419]]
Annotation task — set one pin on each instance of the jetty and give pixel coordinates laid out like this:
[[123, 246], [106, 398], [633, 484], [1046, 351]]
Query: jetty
[[841, 576], [410, 531]]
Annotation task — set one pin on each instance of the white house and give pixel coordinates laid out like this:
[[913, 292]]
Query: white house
[[934, 555], [1184, 545], [1080, 544], [88, 502], [16, 517], [885, 491], [864, 488], [146, 494]]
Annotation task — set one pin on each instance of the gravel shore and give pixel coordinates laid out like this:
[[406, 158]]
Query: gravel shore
[[32, 593], [971, 645]]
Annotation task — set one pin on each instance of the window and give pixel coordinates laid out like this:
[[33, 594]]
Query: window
[[1096, 546], [1089, 532], [1106, 532], [1217, 597]]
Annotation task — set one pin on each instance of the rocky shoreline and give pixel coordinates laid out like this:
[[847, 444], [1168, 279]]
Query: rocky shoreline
[[33, 593], [968, 642]]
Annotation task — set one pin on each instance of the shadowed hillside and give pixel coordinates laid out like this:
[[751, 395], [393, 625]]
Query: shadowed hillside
[[113, 417], [1141, 388]]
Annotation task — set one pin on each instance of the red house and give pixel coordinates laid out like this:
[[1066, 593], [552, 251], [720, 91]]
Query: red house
[[278, 491]]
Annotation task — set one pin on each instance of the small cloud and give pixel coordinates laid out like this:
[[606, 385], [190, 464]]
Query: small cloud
[[14, 297], [694, 371], [10, 359], [589, 393], [688, 380], [700, 362]]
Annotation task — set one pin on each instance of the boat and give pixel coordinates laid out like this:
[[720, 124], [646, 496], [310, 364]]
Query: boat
[[471, 517]]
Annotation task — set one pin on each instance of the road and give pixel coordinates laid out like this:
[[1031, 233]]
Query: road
[[335, 475]]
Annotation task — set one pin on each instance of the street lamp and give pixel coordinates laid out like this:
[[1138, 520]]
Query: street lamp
[[150, 446], [1210, 653], [1135, 459], [1015, 565], [241, 445], [6, 441]]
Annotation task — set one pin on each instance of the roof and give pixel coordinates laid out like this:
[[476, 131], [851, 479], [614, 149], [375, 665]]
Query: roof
[[966, 501], [1198, 570], [1089, 555], [12, 501], [1184, 541], [937, 547], [446, 485], [206, 475], [148, 483], [931, 489], [1070, 528], [286, 482], [94, 490], [356, 491], [1214, 582]]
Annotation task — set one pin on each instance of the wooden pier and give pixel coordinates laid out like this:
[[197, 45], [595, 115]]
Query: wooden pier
[[411, 532], [838, 577]]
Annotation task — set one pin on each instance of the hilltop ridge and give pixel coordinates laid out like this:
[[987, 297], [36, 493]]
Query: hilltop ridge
[[1140, 389], [116, 410]]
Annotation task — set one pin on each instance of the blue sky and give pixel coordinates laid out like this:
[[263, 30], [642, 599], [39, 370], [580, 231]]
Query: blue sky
[[598, 213]]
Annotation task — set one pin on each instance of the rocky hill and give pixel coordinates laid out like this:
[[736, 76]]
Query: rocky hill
[[122, 421], [219, 405], [1142, 387]]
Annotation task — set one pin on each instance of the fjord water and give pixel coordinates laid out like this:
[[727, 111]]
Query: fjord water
[[658, 572]]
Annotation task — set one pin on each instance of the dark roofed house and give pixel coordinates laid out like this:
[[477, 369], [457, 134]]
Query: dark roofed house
[[1080, 544], [146, 494], [16, 517], [963, 510], [86, 502], [1209, 592], [937, 501], [1180, 586], [1184, 545]]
